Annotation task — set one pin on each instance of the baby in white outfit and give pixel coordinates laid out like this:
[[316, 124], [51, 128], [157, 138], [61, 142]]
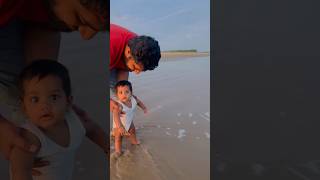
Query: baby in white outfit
[[123, 123], [50, 123]]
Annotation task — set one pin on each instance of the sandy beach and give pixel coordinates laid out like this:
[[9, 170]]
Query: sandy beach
[[88, 70], [175, 134], [172, 55]]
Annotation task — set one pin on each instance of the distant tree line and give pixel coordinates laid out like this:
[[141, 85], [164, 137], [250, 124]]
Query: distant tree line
[[186, 50]]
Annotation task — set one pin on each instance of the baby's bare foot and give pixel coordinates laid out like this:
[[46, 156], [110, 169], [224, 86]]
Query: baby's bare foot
[[117, 154], [135, 142]]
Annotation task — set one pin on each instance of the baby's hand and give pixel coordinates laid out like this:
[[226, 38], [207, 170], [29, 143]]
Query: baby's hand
[[145, 110], [122, 131]]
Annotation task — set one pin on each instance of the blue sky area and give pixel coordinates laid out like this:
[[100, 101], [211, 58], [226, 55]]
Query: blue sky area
[[178, 24]]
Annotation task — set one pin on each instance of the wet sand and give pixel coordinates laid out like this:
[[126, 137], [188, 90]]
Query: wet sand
[[175, 134], [87, 65]]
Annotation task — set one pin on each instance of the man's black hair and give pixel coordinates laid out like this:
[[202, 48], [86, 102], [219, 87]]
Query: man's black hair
[[42, 68], [123, 83], [146, 50]]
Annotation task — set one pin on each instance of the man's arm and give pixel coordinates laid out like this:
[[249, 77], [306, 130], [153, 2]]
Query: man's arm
[[122, 75], [10, 137], [22, 161]]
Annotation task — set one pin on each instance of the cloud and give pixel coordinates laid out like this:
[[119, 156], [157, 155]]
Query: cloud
[[176, 13]]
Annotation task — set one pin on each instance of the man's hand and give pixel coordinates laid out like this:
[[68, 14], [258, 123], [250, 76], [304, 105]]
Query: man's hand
[[10, 137], [37, 164], [115, 106], [122, 131]]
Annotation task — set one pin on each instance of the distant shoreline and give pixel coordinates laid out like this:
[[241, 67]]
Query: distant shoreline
[[168, 55]]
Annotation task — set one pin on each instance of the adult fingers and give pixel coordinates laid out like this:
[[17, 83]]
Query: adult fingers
[[36, 172], [23, 144], [40, 163]]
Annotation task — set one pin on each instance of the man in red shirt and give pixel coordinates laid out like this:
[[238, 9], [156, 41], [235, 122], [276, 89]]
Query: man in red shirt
[[30, 29], [129, 52]]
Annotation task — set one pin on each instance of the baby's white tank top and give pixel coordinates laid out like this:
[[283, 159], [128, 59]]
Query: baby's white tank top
[[127, 118], [61, 158]]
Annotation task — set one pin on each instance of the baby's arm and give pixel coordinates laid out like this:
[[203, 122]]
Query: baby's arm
[[22, 161], [96, 135], [140, 104]]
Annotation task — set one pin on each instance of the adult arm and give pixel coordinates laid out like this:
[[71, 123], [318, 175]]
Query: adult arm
[[121, 75], [10, 137], [22, 161]]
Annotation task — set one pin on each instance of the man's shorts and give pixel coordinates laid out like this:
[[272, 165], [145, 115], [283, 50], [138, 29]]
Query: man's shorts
[[112, 82], [11, 63]]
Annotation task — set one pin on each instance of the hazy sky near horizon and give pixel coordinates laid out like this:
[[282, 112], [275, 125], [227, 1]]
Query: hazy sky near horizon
[[179, 24]]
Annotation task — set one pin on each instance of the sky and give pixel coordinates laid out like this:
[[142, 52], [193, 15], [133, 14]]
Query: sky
[[177, 25]]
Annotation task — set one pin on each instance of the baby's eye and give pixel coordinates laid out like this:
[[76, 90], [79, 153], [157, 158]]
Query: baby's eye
[[34, 99], [54, 97]]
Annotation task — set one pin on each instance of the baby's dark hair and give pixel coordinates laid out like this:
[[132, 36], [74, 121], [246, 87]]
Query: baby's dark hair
[[42, 68], [123, 83], [146, 50]]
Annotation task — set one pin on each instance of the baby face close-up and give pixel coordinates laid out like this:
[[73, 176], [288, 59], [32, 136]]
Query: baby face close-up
[[44, 101], [123, 93]]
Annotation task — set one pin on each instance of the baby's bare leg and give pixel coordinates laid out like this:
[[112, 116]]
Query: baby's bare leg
[[132, 136], [117, 141]]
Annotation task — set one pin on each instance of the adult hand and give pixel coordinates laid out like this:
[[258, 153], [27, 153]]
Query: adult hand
[[115, 106], [10, 137], [122, 131], [37, 164]]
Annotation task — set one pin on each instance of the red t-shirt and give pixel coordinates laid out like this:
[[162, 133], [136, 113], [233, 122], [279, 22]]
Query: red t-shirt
[[119, 38], [30, 10]]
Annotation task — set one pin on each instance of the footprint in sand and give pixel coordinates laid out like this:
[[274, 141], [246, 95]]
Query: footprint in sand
[[194, 122], [167, 133], [181, 133], [168, 128]]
